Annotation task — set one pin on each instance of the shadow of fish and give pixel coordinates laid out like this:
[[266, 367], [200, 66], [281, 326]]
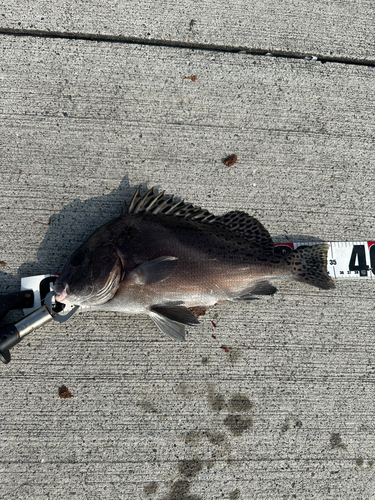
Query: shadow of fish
[[162, 257]]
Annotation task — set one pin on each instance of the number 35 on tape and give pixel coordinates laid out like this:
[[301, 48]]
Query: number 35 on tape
[[346, 260]]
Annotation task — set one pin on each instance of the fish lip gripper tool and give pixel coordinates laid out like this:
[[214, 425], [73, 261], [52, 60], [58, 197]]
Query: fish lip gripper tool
[[38, 302]]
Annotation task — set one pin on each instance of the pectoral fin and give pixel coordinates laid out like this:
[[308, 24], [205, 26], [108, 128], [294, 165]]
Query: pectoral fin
[[171, 320], [153, 271]]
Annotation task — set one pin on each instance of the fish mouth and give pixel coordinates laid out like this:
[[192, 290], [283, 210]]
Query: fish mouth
[[61, 290]]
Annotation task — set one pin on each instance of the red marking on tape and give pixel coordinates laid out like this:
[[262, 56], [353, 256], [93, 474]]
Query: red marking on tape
[[290, 245], [370, 243]]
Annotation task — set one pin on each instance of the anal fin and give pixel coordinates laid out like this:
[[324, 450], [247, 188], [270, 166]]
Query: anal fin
[[174, 330], [260, 288]]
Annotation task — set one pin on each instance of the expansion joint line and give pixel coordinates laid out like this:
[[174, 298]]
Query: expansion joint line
[[185, 45]]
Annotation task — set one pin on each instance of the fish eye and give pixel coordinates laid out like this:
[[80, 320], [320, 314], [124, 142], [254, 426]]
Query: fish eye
[[77, 259]]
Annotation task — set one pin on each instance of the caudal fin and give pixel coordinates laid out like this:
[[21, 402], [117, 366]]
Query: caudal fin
[[309, 265]]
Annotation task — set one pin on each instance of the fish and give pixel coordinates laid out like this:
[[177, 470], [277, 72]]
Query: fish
[[162, 257]]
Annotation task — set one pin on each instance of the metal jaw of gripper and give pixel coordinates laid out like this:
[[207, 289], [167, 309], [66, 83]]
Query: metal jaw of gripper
[[12, 334]]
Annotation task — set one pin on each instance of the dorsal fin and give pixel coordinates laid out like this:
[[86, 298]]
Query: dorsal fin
[[237, 222], [152, 203], [248, 227]]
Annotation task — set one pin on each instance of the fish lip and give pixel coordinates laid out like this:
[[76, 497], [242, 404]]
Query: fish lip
[[61, 290]]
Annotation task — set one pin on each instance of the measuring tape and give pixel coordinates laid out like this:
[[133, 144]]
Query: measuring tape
[[345, 260]]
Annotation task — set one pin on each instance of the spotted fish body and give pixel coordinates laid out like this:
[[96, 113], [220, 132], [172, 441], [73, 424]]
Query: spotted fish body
[[163, 257]]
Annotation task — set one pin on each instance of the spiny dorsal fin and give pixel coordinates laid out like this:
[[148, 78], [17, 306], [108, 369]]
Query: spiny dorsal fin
[[152, 203], [135, 200], [239, 223]]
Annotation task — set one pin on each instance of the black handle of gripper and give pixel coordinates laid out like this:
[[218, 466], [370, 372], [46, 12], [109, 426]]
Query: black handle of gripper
[[16, 300], [9, 337]]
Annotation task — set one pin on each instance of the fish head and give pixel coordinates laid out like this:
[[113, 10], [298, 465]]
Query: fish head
[[90, 277]]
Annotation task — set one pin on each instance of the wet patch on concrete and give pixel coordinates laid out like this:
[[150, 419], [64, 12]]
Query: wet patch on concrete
[[237, 424], [188, 470], [216, 401], [291, 423], [235, 355], [193, 438], [286, 425], [151, 488], [240, 403], [336, 442], [180, 491], [234, 495], [185, 389], [147, 407], [215, 437]]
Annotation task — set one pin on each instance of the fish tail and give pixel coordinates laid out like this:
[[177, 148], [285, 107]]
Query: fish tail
[[309, 265]]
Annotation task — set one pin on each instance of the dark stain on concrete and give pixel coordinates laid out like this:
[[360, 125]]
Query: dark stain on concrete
[[180, 491], [336, 442], [234, 495], [190, 468], [151, 488], [291, 422], [185, 389], [216, 401], [205, 361], [359, 462], [193, 437], [146, 406], [215, 437], [370, 463], [240, 403], [286, 425], [235, 355], [237, 424]]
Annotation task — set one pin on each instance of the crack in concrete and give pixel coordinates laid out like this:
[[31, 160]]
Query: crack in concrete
[[187, 45]]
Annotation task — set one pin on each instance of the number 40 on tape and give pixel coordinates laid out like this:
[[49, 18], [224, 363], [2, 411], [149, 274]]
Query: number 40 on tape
[[346, 260]]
